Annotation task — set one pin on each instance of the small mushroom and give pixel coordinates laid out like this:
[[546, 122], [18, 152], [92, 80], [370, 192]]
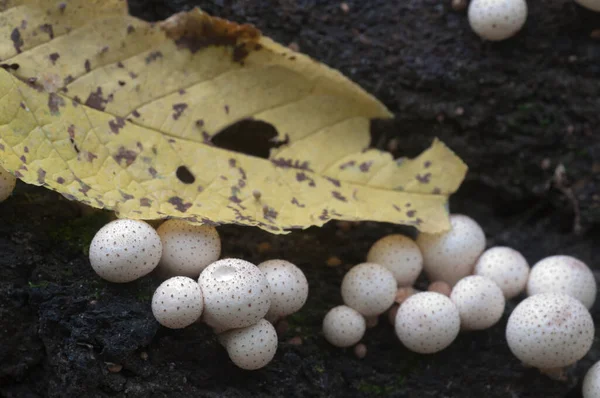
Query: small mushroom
[[506, 267], [591, 382], [7, 184], [497, 19], [289, 287], [369, 288], [177, 302], [251, 347], [125, 250], [550, 331], [451, 255], [400, 255], [563, 274], [343, 326], [480, 302], [187, 248], [236, 294], [593, 5], [427, 322]]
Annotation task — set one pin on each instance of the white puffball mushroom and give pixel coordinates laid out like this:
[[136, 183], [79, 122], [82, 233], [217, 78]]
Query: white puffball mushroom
[[7, 184], [343, 326], [550, 331], [369, 288], [399, 254], [125, 250], [563, 274], [187, 248], [177, 302], [480, 302], [427, 322], [251, 347], [236, 294], [451, 255], [497, 20], [289, 287], [593, 5], [506, 267], [591, 382]]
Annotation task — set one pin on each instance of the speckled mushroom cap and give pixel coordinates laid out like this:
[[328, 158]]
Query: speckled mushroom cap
[[593, 5], [427, 322], [187, 248], [563, 274], [177, 302], [251, 347], [450, 256], [7, 184], [506, 267], [480, 302], [400, 255], [369, 288], [550, 330], [591, 382], [125, 250], [497, 19], [289, 287], [236, 294], [343, 326]]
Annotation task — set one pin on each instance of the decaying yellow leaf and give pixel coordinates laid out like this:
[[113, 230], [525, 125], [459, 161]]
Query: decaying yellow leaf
[[120, 114]]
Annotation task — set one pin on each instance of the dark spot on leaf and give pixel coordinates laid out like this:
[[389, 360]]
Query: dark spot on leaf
[[26, 149], [232, 162], [344, 166], [121, 83], [68, 80], [120, 64], [153, 56], [54, 102], [152, 172], [250, 137], [125, 195], [269, 213], [185, 175], [116, 125], [178, 110], [206, 138], [365, 166], [200, 188], [397, 208], [199, 123], [427, 164], [69, 197], [96, 100], [411, 213], [62, 7], [104, 50], [334, 181], [71, 131], [10, 66], [47, 28], [339, 196], [408, 204], [436, 191], [22, 104], [127, 155], [145, 202], [227, 109], [235, 199], [289, 163], [60, 180], [91, 156], [76, 101], [324, 215], [423, 179], [54, 57], [301, 176], [41, 176], [181, 91], [23, 159], [133, 75], [99, 202], [135, 113], [179, 204], [130, 29], [87, 65], [139, 146], [295, 202]]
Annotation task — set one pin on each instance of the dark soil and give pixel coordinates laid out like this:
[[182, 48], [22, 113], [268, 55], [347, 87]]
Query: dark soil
[[514, 111]]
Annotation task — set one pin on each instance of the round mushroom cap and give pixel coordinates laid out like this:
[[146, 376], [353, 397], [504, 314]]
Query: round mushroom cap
[[593, 5], [563, 274], [236, 294], [400, 255], [550, 330], [343, 326], [480, 302], [187, 248], [251, 347], [177, 302], [289, 287], [427, 322], [125, 250], [506, 267], [7, 184], [497, 19], [369, 288], [591, 382], [451, 255]]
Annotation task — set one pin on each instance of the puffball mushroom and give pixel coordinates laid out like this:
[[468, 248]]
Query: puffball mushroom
[[427, 322], [563, 274], [497, 19], [451, 255], [125, 250], [480, 302], [550, 331], [591, 382], [400, 255], [177, 302], [289, 287], [506, 267], [251, 347], [369, 288], [187, 248], [593, 5], [343, 326], [236, 294], [7, 184]]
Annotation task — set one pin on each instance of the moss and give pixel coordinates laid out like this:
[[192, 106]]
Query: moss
[[38, 284], [78, 233]]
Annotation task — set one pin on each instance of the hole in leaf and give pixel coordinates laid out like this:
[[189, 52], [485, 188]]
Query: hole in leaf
[[250, 137], [185, 175]]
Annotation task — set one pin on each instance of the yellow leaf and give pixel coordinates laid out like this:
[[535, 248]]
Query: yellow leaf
[[120, 114]]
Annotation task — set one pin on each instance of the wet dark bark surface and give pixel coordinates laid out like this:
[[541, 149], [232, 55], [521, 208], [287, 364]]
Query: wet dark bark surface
[[514, 111]]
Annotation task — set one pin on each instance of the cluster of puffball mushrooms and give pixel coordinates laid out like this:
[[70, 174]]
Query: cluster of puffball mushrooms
[[497, 20]]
